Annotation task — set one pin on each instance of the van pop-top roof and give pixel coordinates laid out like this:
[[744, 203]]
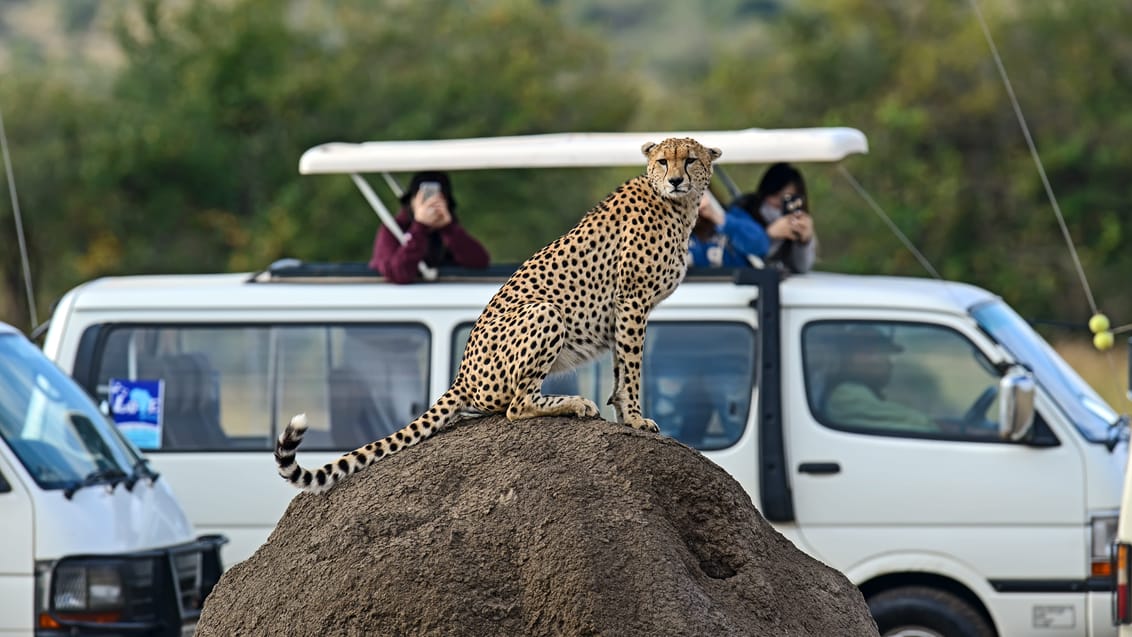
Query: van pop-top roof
[[563, 150], [566, 150]]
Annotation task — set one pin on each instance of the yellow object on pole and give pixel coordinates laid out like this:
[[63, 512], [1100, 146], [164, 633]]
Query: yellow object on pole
[[1098, 323]]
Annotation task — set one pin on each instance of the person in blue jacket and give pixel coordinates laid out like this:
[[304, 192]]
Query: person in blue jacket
[[756, 229]]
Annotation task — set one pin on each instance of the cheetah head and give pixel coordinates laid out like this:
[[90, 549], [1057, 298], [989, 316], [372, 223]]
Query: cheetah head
[[678, 168]]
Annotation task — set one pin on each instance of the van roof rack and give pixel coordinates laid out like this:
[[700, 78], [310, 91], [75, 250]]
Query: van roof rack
[[297, 271]]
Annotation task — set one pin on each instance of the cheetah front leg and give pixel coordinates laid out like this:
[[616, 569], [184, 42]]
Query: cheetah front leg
[[628, 348], [535, 336]]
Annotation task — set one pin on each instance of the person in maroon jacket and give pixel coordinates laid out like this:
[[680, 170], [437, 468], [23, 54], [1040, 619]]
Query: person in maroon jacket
[[432, 231]]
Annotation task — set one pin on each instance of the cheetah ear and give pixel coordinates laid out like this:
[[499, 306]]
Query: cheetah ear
[[647, 147], [715, 153]]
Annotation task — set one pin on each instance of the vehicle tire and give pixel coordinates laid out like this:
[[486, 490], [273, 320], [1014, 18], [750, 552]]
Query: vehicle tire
[[919, 611]]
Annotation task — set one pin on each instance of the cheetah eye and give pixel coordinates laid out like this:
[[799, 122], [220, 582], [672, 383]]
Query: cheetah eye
[[662, 162], [689, 161]]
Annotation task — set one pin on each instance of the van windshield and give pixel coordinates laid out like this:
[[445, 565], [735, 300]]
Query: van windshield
[[1085, 408], [51, 426]]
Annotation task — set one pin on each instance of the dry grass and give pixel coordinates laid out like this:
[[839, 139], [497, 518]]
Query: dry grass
[[1107, 372]]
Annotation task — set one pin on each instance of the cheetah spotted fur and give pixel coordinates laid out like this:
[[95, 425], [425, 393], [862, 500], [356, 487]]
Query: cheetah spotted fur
[[590, 290]]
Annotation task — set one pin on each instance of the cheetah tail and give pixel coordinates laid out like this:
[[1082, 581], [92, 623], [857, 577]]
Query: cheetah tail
[[440, 415]]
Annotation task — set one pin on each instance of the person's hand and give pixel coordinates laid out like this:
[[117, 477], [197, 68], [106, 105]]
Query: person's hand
[[782, 229], [803, 226], [431, 212], [710, 212], [798, 226]]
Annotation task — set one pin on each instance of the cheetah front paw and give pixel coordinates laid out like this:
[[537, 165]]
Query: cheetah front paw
[[586, 408], [643, 424]]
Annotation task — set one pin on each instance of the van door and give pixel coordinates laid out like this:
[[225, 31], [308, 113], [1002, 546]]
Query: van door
[[893, 449], [17, 559]]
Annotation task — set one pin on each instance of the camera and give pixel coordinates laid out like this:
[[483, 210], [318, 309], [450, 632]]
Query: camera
[[792, 204], [429, 188]]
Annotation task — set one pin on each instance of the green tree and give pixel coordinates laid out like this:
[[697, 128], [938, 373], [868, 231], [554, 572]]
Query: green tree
[[947, 159], [187, 160], [47, 123]]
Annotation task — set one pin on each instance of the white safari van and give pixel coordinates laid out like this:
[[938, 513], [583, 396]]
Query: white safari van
[[979, 498], [1122, 547], [92, 542]]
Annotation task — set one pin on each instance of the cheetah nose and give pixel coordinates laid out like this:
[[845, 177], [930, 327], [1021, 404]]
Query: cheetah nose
[[675, 181]]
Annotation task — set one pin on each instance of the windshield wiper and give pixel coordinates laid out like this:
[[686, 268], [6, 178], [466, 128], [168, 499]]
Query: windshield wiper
[[1117, 432], [98, 476], [141, 470]]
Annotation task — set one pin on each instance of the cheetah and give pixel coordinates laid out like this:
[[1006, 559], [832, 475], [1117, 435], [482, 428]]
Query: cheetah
[[590, 290]]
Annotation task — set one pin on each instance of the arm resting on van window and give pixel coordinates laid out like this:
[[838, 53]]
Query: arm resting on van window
[[744, 233], [398, 262], [802, 256], [855, 405], [466, 251]]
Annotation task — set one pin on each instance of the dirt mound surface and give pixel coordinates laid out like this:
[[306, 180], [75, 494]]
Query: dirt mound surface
[[552, 526]]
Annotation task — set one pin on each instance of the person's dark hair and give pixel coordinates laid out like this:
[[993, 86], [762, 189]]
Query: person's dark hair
[[430, 175], [777, 177]]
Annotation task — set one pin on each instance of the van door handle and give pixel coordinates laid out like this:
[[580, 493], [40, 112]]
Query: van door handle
[[820, 468]]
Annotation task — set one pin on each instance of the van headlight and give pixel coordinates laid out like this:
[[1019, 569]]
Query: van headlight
[[88, 590], [93, 587], [1102, 531]]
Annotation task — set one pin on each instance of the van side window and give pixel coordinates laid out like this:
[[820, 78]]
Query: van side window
[[696, 383], [904, 379], [232, 387]]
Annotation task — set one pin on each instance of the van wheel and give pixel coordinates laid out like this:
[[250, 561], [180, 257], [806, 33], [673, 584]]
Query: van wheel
[[919, 611]]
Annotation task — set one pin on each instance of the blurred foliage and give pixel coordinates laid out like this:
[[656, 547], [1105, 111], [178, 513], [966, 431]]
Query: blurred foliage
[[187, 160], [183, 155], [948, 160]]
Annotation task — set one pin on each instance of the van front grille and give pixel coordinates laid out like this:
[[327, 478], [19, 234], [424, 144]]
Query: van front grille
[[188, 568]]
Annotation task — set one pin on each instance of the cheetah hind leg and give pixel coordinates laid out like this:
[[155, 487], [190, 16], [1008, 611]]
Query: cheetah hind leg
[[537, 333]]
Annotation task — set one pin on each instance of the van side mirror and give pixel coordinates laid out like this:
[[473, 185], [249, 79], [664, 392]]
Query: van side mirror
[[1016, 403]]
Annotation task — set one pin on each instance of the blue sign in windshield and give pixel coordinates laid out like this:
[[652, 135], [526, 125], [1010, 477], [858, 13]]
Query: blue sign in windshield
[[1081, 404]]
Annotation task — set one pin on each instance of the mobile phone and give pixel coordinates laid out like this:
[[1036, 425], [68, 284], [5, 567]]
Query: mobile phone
[[429, 188], [792, 204]]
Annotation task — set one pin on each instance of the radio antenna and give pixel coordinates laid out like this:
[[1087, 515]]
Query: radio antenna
[[19, 223], [1035, 156]]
